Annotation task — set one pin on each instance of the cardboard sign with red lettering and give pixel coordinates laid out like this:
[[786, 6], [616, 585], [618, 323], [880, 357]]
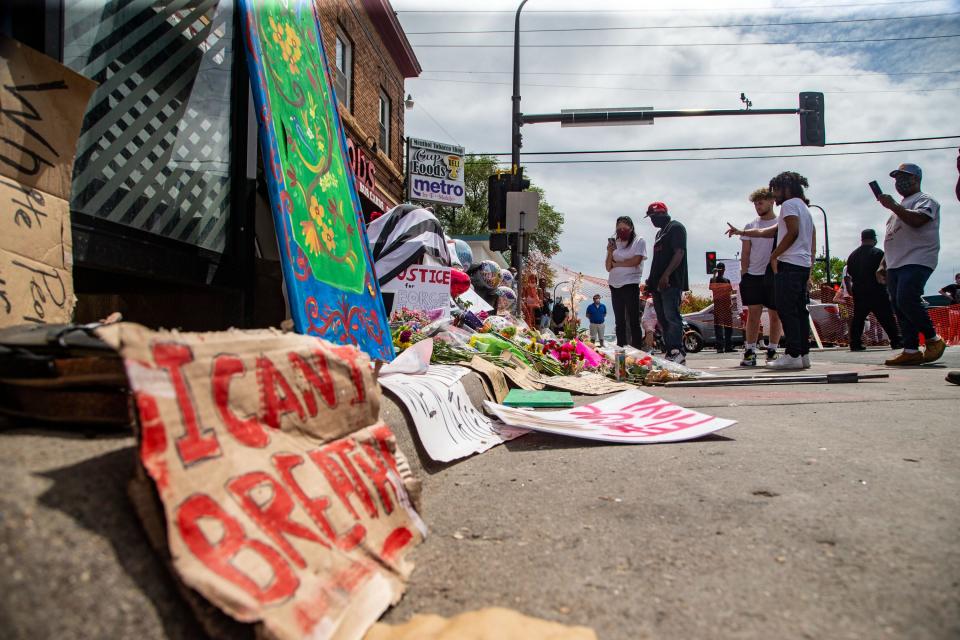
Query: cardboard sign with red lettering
[[422, 287], [282, 490], [632, 417]]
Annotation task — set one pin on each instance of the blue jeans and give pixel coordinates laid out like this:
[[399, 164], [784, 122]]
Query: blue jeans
[[790, 293], [667, 305], [905, 285]]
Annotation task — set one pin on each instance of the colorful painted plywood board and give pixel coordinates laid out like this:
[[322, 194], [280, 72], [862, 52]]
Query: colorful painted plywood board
[[327, 268]]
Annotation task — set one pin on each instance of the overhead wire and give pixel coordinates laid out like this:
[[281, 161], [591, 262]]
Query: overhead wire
[[728, 148], [711, 10], [686, 44], [696, 75], [749, 25], [762, 157]]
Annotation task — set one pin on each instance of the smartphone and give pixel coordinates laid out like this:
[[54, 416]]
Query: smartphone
[[877, 192], [612, 241]]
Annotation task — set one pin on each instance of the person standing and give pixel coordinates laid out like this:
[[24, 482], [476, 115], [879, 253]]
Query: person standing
[[624, 263], [756, 280], [597, 314], [868, 294], [952, 291], [648, 322], [545, 312], [791, 261], [911, 248], [668, 278], [558, 316], [722, 309]]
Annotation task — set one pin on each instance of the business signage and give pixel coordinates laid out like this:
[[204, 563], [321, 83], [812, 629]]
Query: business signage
[[435, 172], [365, 174]]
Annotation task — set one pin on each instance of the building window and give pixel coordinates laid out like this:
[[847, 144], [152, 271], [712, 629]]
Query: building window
[[154, 152], [384, 141], [343, 68]]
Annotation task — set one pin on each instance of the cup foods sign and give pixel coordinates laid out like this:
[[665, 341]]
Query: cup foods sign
[[435, 172]]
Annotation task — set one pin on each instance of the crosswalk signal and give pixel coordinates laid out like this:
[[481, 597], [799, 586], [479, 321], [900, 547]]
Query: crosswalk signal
[[812, 132], [711, 261]]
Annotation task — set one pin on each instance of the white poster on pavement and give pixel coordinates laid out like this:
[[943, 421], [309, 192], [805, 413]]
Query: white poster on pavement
[[631, 417], [448, 424]]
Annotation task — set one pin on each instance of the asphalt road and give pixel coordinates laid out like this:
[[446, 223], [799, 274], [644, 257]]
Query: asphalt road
[[828, 511]]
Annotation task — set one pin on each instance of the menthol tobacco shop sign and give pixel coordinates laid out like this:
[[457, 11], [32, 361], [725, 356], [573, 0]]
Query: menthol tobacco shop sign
[[435, 172]]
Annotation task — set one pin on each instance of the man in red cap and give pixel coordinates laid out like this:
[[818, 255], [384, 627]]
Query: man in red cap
[[668, 278]]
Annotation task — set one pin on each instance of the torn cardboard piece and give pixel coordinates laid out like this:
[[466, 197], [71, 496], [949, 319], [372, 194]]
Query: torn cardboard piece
[[42, 104], [485, 624], [631, 416], [448, 424], [520, 373], [492, 377], [283, 493], [587, 383]]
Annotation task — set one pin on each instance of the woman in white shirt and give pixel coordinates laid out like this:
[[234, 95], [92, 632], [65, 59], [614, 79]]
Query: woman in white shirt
[[625, 255]]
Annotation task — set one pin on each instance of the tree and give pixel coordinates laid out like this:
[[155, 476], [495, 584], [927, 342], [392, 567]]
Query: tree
[[819, 272], [471, 218]]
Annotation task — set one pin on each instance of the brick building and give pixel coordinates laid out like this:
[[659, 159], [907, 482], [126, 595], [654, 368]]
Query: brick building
[[370, 57], [168, 215]]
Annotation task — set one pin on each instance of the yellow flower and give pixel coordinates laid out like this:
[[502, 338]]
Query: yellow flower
[[327, 234], [310, 236], [316, 211]]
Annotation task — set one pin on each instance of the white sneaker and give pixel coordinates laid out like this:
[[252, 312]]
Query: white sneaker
[[806, 361], [786, 362], [677, 357]]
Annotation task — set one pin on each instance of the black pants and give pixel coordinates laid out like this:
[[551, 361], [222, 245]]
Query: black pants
[[790, 286], [724, 337], [626, 313], [877, 302]]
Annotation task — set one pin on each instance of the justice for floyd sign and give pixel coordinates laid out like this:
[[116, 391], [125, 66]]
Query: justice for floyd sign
[[435, 172]]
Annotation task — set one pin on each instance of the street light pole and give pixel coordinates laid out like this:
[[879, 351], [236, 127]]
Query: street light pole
[[516, 140], [555, 288], [826, 240]]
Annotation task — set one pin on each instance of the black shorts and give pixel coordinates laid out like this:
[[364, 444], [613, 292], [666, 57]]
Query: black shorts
[[757, 290]]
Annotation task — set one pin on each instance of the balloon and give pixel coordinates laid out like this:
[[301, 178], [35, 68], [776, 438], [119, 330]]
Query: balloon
[[489, 274], [459, 282], [506, 293], [464, 253], [506, 278]]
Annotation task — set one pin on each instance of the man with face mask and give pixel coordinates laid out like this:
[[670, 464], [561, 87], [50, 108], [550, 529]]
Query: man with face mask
[[668, 278], [911, 248]]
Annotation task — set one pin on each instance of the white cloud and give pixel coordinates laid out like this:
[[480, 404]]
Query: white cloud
[[701, 194]]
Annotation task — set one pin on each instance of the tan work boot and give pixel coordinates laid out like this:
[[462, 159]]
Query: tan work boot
[[905, 359], [934, 350]]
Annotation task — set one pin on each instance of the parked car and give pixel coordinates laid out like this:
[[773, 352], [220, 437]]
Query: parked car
[[831, 326]]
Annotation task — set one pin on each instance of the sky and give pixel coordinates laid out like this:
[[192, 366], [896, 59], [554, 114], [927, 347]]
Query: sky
[[905, 83]]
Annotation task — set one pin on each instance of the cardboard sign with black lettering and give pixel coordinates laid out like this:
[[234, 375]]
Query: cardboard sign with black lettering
[[421, 287], [41, 109], [282, 489]]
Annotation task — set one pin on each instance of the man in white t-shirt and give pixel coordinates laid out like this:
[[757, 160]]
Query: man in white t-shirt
[[791, 261], [911, 247], [756, 279]]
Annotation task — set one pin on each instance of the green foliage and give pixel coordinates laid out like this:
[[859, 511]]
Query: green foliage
[[691, 302], [471, 219], [819, 272]]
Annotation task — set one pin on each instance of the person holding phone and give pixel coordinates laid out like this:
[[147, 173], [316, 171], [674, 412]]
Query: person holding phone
[[626, 252], [911, 248]]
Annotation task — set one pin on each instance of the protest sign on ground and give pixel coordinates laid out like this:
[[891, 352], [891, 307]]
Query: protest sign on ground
[[282, 490], [41, 110], [631, 417], [587, 383], [448, 424]]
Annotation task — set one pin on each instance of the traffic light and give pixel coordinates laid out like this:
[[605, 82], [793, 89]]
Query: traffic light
[[497, 186], [711, 261], [812, 132]]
